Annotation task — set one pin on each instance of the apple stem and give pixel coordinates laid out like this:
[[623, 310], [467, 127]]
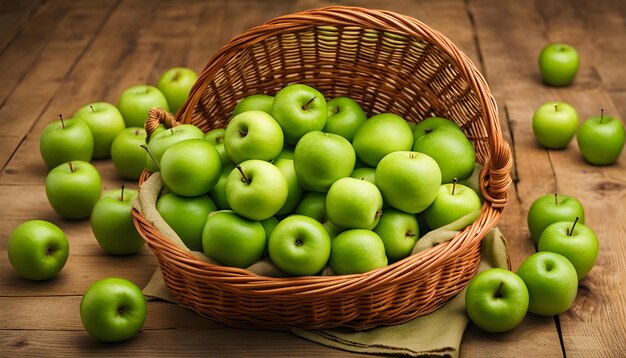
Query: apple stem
[[601, 115], [497, 294], [454, 181], [428, 130], [122, 193], [137, 131], [556, 199], [150, 155], [571, 231], [243, 175], [71, 166], [62, 121], [91, 108], [379, 213], [556, 107], [306, 106]]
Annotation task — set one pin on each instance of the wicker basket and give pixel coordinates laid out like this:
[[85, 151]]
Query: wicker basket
[[388, 63]]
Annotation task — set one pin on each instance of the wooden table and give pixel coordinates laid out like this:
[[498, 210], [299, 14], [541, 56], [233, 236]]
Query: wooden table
[[57, 55]]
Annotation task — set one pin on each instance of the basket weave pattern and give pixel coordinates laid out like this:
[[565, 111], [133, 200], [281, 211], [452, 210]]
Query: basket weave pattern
[[388, 63]]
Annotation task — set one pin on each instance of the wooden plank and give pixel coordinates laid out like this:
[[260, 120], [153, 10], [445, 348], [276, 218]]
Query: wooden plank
[[13, 14], [79, 272]]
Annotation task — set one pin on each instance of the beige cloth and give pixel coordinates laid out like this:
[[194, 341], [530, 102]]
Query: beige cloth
[[437, 334]]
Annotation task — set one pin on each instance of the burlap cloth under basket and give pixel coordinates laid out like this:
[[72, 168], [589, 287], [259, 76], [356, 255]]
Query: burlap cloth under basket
[[388, 63]]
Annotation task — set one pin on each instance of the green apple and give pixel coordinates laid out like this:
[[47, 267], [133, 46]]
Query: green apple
[[354, 203], [113, 310], [496, 300], [294, 195], [408, 181], [554, 124], [218, 193], [344, 117], [186, 216], [299, 245], [548, 209], [457, 160], [255, 102], [105, 123], [127, 155], [313, 205], [191, 167], [216, 137], [577, 242], [112, 223], [160, 142], [135, 103], [357, 251], [365, 173], [380, 135], [322, 158], [37, 249], [256, 189], [399, 232], [65, 140], [558, 64], [430, 123], [299, 109], [551, 281], [286, 153], [253, 135], [73, 188], [233, 240], [601, 139], [175, 84], [453, 201]]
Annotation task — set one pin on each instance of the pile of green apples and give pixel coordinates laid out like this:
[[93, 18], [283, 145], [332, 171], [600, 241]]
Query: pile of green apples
[[312, 183]]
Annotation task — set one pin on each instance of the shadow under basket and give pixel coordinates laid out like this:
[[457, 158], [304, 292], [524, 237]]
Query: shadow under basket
[[387, 62]]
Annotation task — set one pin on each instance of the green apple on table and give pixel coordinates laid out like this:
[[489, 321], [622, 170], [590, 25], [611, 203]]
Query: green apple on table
[[399, 232], [558, 64], [127, 155], [256, 189], [37, 249], [313, 205], [453, 201], [552, 283], [112, 223], [577, 242], [255, 102], [233, 240], [186, 216], [218, 193], [216, 137], [380, 135], [354, 204], [105, 123], [113, 310], [551, 208], [554, 124], [321, 158], [295, 190], [160, 142], [299, 109], [175, 84], [135, 103], [601, 139], [253, 135], [496, 300], [65, 140], [408, 181], [365, 173], [344, 117], [191, 167], [457, 160], [357, 251], [299, 245], [73, 188]]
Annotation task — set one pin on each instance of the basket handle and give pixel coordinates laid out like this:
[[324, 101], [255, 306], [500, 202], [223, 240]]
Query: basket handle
[[156, 117]]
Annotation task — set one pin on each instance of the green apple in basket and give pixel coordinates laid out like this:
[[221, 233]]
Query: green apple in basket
[[255, 102], [453, 201], [299, 109], [380, 135], [65, 140], [216, 137], [295, 191], [253, 135], [313, 205], [354, 204], [321, 158], [299, 245], [357, 251], [37, 249], [399, 232], [430, 123], [160, 142], [186, 216], [191, 167], [365, 173], [105, 123], [218, 193], [344, 117], [175, 84]]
